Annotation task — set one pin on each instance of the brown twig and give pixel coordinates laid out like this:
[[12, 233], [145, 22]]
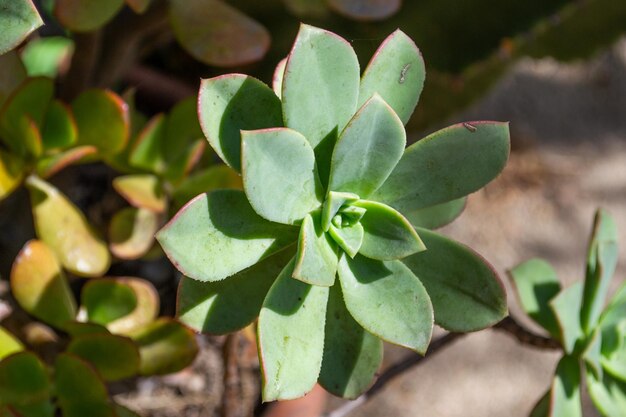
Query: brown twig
[[524, 336], [231, 400]]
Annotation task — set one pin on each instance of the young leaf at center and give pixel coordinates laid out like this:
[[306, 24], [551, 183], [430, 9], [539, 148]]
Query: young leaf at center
[[316, 260]]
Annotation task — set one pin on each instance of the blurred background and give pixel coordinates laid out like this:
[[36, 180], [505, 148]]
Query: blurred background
[[555, 69]]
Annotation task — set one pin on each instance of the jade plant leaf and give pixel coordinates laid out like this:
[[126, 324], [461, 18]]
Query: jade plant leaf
[[216, 33], [165, 346], [66, 231], [437, 216], [11, 173], [291, 337], [47, 56], [320, 89], [608, 394], [9, 344], [80, 389], [86, 15], [18, 19], [131, 232], [232, 103], [277, 77], [316, 260], [397, 73], [12, 74], [59, 127], [366, 9], [367, 150], [536, 284], [146, 152], [102, 119], [351, 354], [146, 308], [23, 379], [387, 300], [78, 328], [566, 307], [50, 165], [207, 307], [40, 286], [114, 357], [106, 300], [218, 234], [142, 191], [39, 409], [466, 293], [565, 393], [213, 178], [279, 174], [446, 165], [387, 234], [601, 263]]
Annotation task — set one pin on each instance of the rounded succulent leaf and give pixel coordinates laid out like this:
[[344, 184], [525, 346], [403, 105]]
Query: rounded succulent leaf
[[23, 379], [12, 74], [131, 232], [316, 259], [566, 307], [142, 191], [9, 344], [86, 15], [437, 216], [565, 392], [59, 127], [216, 177], [48, 166], [18, 19], [11, 173], [114, 357], [608, 394], [107, 299], [277, 78]]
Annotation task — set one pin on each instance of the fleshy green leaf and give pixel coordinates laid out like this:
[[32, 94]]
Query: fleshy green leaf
[[165, 346], [397, 73], [147, 153], [277, 78], [592, 353], [608, 394], [612, 321], [12, 74], [279, 174], [542, 408], [320, 90], [43, 408], [102, 120], [316, 260], [601, 263], [40, 286], [106, 300], [565, 394], [334, 202], [349, 238], [11, 173], [231, 304], [615, 362], [146, 308], [216, 33], [51, 165], [86, 15], [79, 328], [536, 284], [232, 103], [291, 336], [437, 216], [218, 234], [566, 307], [367, 150], [213, 178], [23, 379], [18, 19], [446, 165], [351, 354], [114, 357], [46, 56], [9, 344], [59, 127], [465, 290], [65, 230], [366, 9], [142, 191], [387, 300], [131, 233], [79, 389], [388, 235]]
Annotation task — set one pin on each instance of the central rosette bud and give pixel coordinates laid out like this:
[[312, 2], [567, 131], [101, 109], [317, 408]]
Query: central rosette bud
[[341, 216]]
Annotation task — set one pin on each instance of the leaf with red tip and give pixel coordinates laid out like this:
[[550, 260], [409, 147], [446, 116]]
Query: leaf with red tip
[[366, 10], [40, 286], [50, 165], [18, 19], [86, 15], [131, 232], [64, 228], [142, 191], [23, 379], [102, 120], [216, 33], [114, 357], [277, 78]]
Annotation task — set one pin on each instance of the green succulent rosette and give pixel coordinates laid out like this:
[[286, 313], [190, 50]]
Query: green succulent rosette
[[329, 241]]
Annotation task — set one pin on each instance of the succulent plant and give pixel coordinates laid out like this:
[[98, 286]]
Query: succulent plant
[[592, 335], [329, 195]]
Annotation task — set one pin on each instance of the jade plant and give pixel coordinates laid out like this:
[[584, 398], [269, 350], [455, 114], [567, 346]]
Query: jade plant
[[591, 334], [319, 244]]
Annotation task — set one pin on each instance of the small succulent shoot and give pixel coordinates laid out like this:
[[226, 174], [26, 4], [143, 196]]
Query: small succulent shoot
[[592, 335], [317, 245]]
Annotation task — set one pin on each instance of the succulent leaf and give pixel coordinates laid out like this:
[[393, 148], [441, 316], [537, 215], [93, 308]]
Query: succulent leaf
[[218, 234], [366, 9], [106, 300], [277, 78], [388, 300], [367, 150], [40, 286], [291, 336], [397, 73], [592, 355], [9, 344], [437, 216], [131, 232], [565, 393], [12, 74], [446, 165], [48, 166], [11, 173], [208, 307], [279, 174], [232, 103], [59, 127], [65, 230], [19, 18], [351, 354], [213, 178], [608, 394], [612, 321], [23, 379], [147, 151], [46, 56], [467, 294], [142, 191], [139, 6], [536, 284], [334, 202], [316, 260], [387, 234], [86, 15], [349, 238], [146, 309], [114, 357], [566, 307]]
